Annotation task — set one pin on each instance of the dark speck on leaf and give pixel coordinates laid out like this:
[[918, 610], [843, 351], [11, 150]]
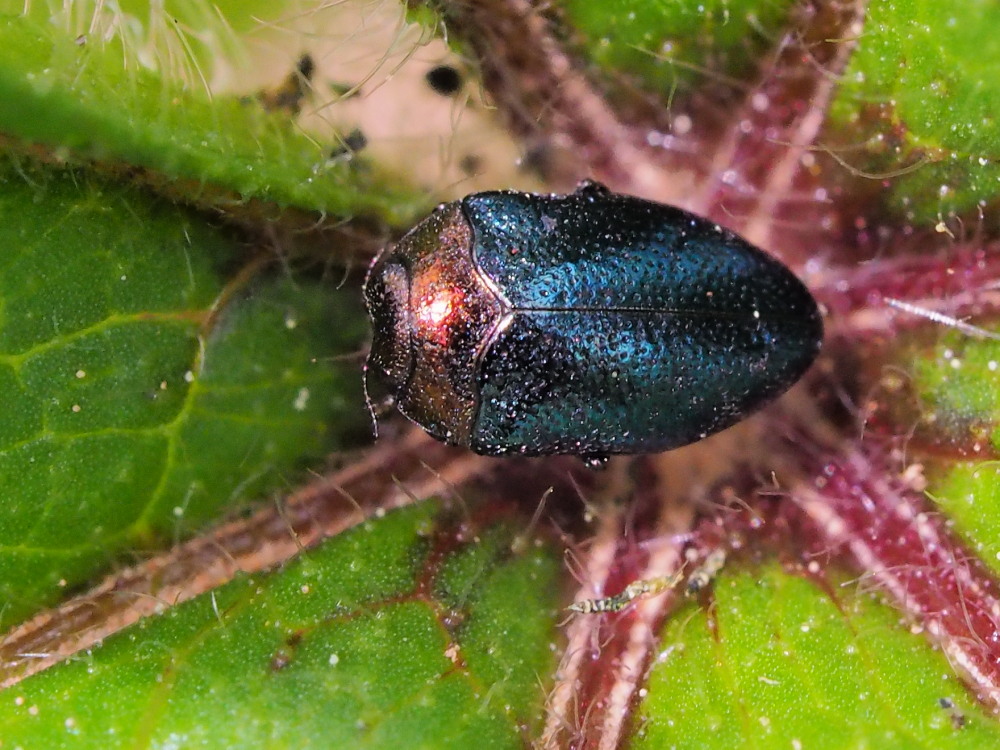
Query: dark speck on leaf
[[290, 94], [351, 143], [444, 80], [306, 66], [471, 164]]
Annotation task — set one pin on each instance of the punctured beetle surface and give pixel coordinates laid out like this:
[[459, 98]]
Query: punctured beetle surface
[[592, 324]]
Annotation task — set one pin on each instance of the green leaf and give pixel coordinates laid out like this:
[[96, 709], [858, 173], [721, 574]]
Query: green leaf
[[922, 91], [666, 46], [375, 639], [956, 401], [92, 101], [778, 663], [401, 632], [142, 394], [956, 380], [969, 492]]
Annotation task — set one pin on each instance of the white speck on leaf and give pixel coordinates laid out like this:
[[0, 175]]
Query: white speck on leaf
[[301, 399]]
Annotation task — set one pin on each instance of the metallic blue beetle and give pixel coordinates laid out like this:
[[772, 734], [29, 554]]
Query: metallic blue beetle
[[591, 324]]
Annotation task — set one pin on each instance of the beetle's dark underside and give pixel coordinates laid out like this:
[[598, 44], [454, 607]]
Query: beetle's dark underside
[[591, 324]]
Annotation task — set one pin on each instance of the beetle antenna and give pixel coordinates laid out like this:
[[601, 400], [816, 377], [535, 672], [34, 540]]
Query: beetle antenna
[[368, 401]]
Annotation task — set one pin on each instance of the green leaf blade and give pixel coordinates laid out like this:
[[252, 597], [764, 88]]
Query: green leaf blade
[[95, 101], [142, 394], [342, 647], [780, 663], [917, 106]]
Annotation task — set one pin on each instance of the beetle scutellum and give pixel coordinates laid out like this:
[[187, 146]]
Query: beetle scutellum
[[592, 324]]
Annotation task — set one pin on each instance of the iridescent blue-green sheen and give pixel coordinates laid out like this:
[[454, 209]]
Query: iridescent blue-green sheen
[[636, 327], [592, 323]]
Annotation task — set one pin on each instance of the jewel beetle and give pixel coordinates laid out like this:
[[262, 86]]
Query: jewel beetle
[[592, 324]]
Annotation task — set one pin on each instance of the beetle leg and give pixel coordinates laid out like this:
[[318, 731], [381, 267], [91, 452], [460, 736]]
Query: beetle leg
[[380, 406], [591, 187]]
